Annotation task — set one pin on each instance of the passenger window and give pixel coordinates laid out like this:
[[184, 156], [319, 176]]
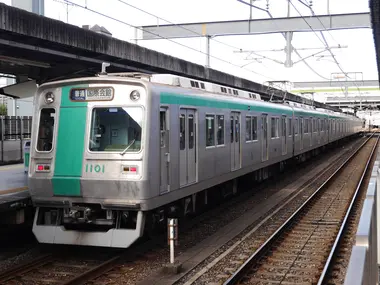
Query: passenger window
[[283, 126], [296, 127], [191, 131], [46, 130], [163, 127], [274, 127], [220, 129], [254, 128], [210, 130], [181, 132], [232, 129], [237, 130], [248, 129], [289, 126]]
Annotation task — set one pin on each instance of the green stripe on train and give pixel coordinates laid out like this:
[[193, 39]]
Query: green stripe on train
[[189, 100], [70, 145]]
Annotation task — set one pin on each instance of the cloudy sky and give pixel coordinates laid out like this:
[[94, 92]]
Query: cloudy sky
[[120, 18]]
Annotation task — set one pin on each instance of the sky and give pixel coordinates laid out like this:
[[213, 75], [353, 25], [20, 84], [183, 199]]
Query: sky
[[359, 56]]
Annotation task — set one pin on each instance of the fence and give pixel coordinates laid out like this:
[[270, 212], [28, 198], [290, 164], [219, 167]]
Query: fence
[[14, 131], [363, 266]]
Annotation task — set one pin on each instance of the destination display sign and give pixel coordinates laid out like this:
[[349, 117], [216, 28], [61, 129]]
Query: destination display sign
[[92, 94]]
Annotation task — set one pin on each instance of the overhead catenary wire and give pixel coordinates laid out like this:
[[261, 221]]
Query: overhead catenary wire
[[324, 41], [183, 45], [295, 50], [194, 32]]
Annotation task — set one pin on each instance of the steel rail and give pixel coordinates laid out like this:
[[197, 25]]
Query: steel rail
[[25, 267], [339, 237], [93, 273], [245, 267]]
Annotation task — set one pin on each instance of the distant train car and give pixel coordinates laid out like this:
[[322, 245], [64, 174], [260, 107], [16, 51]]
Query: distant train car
[[114, 155]]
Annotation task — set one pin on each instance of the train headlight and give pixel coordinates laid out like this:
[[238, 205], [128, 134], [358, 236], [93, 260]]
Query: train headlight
[[49, 97], [135, 95]]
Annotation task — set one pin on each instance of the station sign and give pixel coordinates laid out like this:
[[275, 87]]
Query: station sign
[[92, 94]]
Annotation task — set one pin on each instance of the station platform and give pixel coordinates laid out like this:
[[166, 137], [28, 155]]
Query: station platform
[[14, 192]]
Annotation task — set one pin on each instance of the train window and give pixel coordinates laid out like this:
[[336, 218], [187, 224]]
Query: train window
[[296, 127], [192, 83], [191, 131], [254, 128], [220, 129], [116, 129], [182, 134], [232, 129], [237, 129], [163, 127], [274, 127], [202, 85], [46, 130], [306, 126], [289, 126], [210, 130], [248, 128], [283, 126]]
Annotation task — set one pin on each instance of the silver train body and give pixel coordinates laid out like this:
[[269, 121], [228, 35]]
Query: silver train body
[[113, 154]]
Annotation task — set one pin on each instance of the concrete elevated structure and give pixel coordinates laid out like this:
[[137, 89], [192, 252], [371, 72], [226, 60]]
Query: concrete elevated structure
[[44, 49]]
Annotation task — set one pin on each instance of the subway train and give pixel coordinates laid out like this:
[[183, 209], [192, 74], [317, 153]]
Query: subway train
[[114, 155]]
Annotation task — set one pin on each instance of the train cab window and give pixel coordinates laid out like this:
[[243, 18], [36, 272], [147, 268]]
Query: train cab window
[[182, 135], [46, 130], [210, 130], [116, 129], [220, 129]]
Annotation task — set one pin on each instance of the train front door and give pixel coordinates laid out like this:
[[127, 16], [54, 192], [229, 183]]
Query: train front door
[[264, 133], [164, 152], [235, 140], [187, 147]]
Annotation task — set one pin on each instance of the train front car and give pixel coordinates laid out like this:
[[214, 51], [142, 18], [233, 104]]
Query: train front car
[[86, 173]]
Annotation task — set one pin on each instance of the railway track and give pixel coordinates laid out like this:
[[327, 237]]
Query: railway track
[[223, 263], [56, 269], [59, 269], [302, 249]]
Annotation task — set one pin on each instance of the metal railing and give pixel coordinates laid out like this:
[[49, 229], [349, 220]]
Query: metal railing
[[14, 131], [363, 266]]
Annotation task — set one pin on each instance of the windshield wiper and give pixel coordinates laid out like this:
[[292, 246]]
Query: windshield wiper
[[125, 150]]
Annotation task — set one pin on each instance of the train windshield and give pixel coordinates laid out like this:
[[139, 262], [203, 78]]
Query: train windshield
[[116, 129]]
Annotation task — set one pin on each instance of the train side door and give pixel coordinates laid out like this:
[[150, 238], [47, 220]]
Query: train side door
[[283, 135], [264, 139], [235, 140], [164, 152], [187, 147]]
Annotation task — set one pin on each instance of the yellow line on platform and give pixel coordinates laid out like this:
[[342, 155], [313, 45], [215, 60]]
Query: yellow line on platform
[[14, 190], [5, 168]]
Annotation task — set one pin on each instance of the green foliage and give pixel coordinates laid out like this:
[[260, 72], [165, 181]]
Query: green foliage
[[3, 110]]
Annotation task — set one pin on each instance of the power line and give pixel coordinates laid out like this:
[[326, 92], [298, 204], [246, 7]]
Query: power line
[[139, 28], [194, 32], [295, 50], [323, 37]]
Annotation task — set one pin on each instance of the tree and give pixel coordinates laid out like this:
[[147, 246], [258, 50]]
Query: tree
[[3, 110]]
